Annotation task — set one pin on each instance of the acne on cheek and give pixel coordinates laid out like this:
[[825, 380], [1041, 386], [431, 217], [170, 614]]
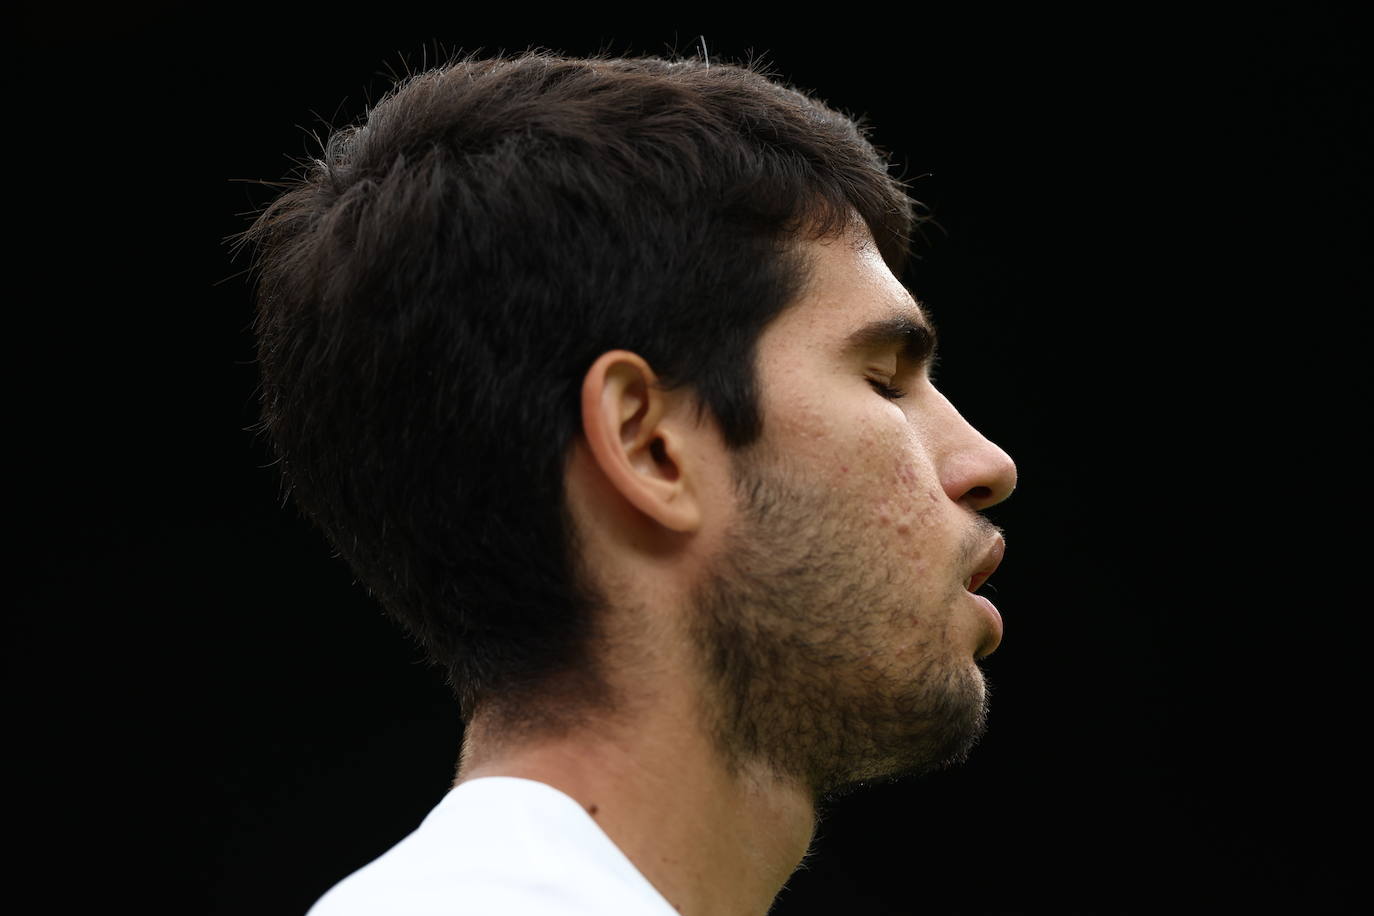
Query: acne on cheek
[[910, 481], [906, 502], [909, 505], [898, 519], [904, 519]]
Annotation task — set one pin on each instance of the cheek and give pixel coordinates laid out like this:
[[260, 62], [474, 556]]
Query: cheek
[[909, 508], [889, 484], [810, 443]]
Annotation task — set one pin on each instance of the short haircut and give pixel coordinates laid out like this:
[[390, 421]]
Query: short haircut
[[434, 288]]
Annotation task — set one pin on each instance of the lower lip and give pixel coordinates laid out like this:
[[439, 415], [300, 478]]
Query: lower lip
[[994, 621]]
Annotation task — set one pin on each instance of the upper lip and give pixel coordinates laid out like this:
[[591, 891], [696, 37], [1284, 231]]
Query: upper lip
[[992, 558]]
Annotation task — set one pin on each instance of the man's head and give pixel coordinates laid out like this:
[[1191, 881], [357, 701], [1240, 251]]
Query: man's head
[[441, 289]]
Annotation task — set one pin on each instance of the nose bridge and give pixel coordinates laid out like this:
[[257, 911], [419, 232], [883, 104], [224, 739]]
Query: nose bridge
[[973, 469]]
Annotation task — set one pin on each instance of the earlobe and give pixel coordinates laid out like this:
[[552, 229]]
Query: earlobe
[[632, 430]]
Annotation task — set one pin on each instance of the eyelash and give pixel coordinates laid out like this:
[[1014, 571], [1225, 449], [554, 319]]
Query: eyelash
[[886, 390]]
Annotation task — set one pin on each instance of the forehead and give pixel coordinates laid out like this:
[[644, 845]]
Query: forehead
[[849, 286]]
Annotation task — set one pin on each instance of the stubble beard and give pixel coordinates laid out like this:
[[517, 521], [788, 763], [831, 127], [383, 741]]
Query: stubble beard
[[793, 628]]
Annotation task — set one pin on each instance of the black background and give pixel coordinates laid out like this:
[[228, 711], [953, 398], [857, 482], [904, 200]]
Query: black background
[[1151, 249]]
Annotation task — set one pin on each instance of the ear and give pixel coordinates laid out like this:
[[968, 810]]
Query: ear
[[637, 434]]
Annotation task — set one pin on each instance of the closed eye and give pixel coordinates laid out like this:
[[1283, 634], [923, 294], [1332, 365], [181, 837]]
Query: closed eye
[[886, 390]]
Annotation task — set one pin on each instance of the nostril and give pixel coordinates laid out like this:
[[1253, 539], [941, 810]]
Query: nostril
[[978, 494]]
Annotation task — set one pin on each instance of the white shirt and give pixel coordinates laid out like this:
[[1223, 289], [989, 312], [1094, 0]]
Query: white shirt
[[494, 846]]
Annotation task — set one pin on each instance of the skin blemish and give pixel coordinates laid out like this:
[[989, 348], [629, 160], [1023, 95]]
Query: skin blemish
[[903, 528], [592, 809]]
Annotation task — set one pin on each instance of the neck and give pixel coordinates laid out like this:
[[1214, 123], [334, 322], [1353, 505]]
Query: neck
[[710, 840]]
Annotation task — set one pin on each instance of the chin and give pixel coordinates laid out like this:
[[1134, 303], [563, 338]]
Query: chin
[[950, 726]]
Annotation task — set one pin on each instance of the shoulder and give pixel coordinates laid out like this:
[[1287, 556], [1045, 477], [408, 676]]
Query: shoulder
[[495, 846]]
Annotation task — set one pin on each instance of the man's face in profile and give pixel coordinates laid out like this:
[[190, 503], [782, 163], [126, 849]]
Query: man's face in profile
[[837, 623]]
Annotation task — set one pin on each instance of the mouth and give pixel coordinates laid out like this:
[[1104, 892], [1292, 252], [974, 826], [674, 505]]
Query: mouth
[[992, 558], [988, 565]]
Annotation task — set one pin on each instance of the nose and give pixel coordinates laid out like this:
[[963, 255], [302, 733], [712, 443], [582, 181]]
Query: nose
[[974, 471], [990, 478]]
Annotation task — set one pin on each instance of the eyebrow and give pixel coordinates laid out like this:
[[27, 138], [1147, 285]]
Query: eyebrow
[[913, 337]]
